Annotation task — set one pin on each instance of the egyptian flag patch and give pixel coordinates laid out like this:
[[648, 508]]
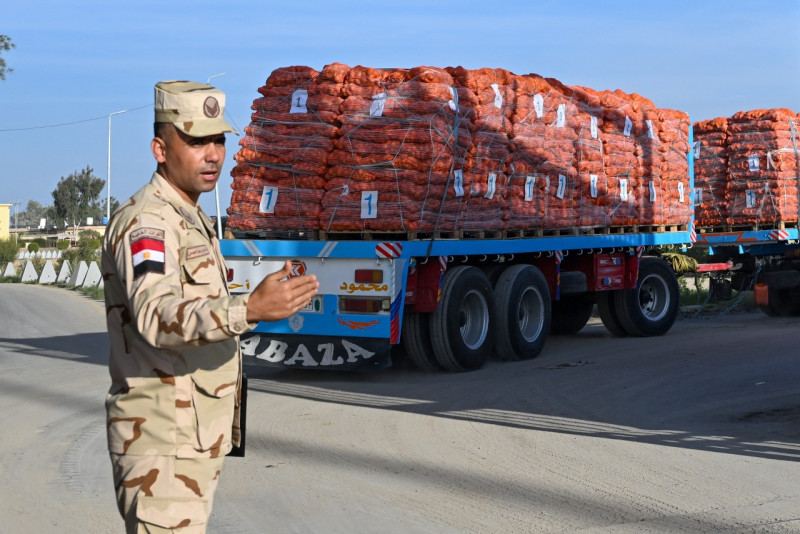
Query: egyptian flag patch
[[147, 249]]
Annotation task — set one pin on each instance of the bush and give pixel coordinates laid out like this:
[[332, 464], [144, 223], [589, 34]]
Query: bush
[[42, 242], [33, 248], [38, 263], [62, 245], [8, 251], [88, 245]]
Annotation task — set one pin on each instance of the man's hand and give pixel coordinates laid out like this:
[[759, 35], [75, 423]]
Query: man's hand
[[278, 296]]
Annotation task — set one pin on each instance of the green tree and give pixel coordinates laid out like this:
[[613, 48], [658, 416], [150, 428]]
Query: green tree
[[76, 197], [8, 251], [5, 45], [33, 213]]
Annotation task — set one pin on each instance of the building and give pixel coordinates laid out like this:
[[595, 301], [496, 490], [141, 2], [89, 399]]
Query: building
[[5, 221]]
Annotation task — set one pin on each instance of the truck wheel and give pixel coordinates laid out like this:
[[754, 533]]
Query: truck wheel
[[782, 302], [570, 314], [608, 313], [416, 340], [460, 326], [523, 312], [651, 308]]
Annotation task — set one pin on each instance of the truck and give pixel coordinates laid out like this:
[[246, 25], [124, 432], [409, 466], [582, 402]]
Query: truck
[[452, 303], [333, 142]]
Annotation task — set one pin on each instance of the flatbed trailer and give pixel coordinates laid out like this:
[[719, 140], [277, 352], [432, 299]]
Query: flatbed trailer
[[764, 259], [452, 303]]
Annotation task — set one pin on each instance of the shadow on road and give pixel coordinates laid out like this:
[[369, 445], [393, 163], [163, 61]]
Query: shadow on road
[[736, 393], [87, 348]]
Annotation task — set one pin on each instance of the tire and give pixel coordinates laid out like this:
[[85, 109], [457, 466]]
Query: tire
[[570, 314], [652, 307], [522, 300], [782, 302], [461, 326], [608, 313], [416, 341]]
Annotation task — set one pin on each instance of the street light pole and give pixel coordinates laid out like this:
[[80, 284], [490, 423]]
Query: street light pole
[[16, 228], [216, 186], [108, 169]]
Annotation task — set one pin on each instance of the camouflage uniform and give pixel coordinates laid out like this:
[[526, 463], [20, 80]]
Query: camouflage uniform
[[175, 361]]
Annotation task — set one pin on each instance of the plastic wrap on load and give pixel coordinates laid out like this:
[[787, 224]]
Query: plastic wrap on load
[[490, 93], [454, 150], [282, 162], [710, 153], [762, 150], [399, 162]]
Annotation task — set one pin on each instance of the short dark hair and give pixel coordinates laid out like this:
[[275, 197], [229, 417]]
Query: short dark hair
[[159, 129]]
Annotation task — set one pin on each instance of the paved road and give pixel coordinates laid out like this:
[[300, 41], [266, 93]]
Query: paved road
[[696, 431]]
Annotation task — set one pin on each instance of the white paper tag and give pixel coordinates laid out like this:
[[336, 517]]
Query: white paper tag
[[593, 185], [269, 197], [561, 115], [458, 182], [593, 126], [698, 196], [650, 132], [538, 105], [750, 198], [378, 102], [752, 162], [623, 189], [299, 100], [491, 185], [530, 181], [562, 185], [452, 101], [696, 149], [681, 196], [653, 194], [345, 189], [628, 127], [369, 204], [498, 98]]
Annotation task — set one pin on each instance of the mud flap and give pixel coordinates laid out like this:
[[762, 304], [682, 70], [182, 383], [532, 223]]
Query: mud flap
[[316, 352]]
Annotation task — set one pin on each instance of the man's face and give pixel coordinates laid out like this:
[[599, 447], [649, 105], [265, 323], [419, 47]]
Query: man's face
[[191, 164]]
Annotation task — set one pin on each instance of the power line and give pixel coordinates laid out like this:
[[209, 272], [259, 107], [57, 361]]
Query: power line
[[104, 117]]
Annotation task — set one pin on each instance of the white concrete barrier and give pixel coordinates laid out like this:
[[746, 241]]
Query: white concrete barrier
[[10, 270], [29, 273], [64, 273], [48, 275], [93, 276], [76, 279]]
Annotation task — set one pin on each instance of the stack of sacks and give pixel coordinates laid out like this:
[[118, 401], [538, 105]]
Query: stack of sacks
[[666, 193], [711, 171], [403, 136], [280, 173], [429, 149], [543, 189], [762, 165], [589, 161], [490, 93]]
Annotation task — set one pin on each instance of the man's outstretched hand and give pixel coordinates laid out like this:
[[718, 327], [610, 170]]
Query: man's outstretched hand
[[278, 296]]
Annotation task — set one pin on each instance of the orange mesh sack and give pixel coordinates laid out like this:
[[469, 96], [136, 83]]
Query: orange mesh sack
[[710, 155], [282, 160], [763, 167], [399, 163]]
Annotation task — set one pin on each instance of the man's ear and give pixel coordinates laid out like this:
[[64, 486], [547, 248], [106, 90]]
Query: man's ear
[[159, 148]]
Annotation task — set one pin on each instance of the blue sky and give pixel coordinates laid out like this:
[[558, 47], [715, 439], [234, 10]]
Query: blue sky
[[78, 61]]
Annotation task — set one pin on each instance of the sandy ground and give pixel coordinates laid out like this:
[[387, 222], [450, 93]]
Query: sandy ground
[[695, 431]]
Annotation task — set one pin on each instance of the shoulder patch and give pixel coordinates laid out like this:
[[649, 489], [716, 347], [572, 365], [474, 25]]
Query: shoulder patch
[[147, 249], [197, 252]]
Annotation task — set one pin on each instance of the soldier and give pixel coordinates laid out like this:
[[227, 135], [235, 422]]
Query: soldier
[[175, 361]]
